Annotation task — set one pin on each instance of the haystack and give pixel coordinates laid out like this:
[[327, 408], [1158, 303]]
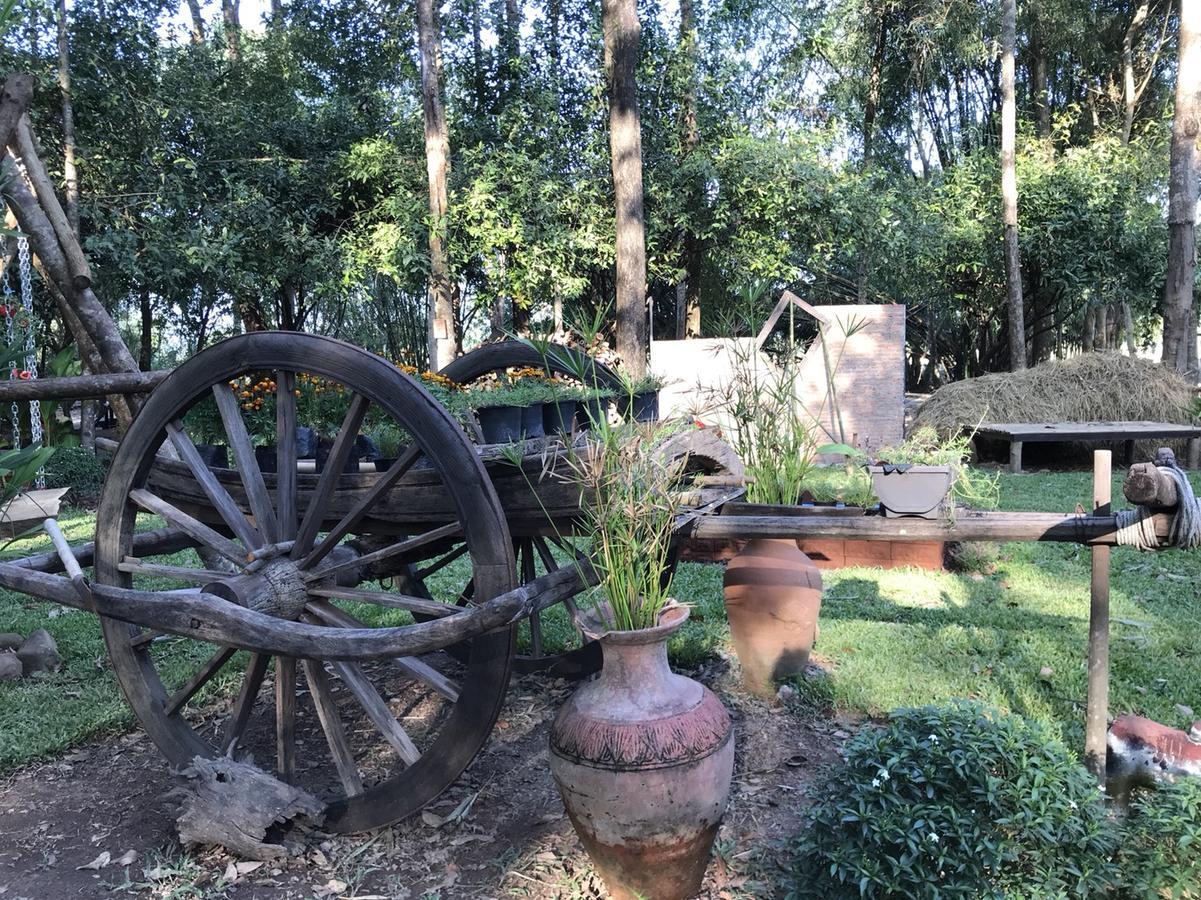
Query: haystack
[[1092, 387]]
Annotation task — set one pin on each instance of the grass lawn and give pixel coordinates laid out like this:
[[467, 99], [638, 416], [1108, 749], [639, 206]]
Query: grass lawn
[[889, 638]]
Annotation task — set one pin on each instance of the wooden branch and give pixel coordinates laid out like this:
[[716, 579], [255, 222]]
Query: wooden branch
[[23, 145], [148, 543], [967, 526]]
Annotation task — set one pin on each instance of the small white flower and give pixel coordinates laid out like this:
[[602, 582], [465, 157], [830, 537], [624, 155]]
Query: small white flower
[[875, 782], [932, 837], [933, 739], [883, 775]]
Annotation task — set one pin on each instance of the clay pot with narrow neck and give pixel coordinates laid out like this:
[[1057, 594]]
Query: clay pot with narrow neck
[[773, 595], [643, 759]]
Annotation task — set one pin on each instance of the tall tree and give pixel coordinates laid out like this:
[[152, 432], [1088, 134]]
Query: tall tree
[[1009, 188], [619, 20], [70, 174], [443, 343], [197, 22], [233, 29], [1129, 90], [688, 294], [1179, 322]]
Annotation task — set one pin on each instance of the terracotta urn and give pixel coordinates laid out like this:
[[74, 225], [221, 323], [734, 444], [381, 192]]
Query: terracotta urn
[[773, 595], [643, 759]]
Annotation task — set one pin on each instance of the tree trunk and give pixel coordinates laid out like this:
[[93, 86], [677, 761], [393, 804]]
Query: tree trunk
[[443, 346], [1089, 331], [1038, 75], [233, 29], [70, 175], [870, 108], [1178, 320], [510, 50], [619, 20], [1009, 189], [1128, 327], [147, 332], [1129, 91], [477, 61], [689, 325], [197, 18]]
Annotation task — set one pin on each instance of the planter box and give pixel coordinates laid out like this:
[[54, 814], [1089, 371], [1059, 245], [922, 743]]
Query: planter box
[[912, 490], [832, 553]]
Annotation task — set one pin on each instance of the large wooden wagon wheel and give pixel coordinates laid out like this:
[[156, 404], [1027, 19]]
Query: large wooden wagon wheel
[[547, 641], [378, 740]]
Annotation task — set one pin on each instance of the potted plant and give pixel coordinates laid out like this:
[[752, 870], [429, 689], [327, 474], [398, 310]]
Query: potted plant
[[772, 590], [503, 411], [592, 410], [559, 406], [923, 475], [642, 757], [640, 398], [389, 439]]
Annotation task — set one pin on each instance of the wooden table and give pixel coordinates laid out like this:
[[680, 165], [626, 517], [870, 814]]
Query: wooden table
[[1019, 433]]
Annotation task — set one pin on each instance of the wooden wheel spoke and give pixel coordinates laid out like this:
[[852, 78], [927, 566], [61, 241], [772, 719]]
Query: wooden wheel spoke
[[430, 608], [406, 546], [285, 717], [321, 496], [285, 454], [202, 677], [551, 565], [381, 487], [135, 566], [222, 502], [376, 708], [418, 669], [442, 562], [248, 466], [331, 724], [528, 573], [193, 527], [252, 681]]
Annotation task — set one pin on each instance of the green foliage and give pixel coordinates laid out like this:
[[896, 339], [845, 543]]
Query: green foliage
[[77, 469], [958, 800], [1160, 853], [850, 484]]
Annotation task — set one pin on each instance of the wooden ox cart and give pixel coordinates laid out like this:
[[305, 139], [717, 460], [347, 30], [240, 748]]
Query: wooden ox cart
[[265, 573]]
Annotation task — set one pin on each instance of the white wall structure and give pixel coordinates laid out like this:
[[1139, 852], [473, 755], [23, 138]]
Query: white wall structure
[[866, 348]]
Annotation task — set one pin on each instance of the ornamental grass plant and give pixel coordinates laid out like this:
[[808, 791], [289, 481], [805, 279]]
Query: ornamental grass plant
[[628, 516]]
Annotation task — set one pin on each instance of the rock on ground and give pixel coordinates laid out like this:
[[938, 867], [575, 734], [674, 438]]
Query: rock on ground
[[39, 653]]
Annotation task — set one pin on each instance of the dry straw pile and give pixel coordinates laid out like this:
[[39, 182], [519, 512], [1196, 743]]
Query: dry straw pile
[[1092, 387]]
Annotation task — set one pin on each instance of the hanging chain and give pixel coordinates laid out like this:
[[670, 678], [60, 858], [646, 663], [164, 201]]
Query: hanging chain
[[31, 361], [10, 333]]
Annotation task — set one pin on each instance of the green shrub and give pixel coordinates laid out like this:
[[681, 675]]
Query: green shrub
[[78, 469], [1161, 847], [957, 801]]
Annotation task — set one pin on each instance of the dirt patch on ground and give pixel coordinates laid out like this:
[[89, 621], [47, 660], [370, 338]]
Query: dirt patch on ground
[[107, 806]]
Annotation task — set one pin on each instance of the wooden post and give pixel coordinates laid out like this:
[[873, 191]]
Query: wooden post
[[1015, 457], [1194, 453], [1096, 717]]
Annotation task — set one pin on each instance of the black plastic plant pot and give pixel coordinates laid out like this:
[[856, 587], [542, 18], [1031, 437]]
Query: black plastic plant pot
[[500, 424], [215, 456], [912, 490], [267, 458], [384, 463], [558, 417], [645, 407], [531, 421], [592, 412], [352, 461]]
